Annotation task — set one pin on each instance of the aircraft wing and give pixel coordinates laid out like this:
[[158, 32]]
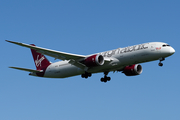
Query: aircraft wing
[[28, 70], [52, 53]]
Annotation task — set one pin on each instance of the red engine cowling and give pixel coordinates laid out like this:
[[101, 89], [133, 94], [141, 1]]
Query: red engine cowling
[[94, 60], [133, 70]]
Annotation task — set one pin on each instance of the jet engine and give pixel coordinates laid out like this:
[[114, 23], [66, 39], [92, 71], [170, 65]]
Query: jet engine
[[133, 70], [94, 60]]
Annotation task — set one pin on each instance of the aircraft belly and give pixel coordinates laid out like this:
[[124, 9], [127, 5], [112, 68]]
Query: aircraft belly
[[64, 71], [112, 66]]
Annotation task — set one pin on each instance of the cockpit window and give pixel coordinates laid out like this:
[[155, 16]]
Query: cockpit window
[[165, 45]]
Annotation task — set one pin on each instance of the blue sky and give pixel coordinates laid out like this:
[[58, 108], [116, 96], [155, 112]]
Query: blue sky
[[86, 27]]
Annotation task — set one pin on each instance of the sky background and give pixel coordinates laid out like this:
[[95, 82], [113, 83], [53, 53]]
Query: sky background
[[86, 27]]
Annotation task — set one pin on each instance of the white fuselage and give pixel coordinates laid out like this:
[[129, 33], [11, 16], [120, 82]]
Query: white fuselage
[[117, 60]]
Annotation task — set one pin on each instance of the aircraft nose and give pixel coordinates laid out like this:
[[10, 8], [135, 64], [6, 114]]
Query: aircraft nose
[[172, 51]]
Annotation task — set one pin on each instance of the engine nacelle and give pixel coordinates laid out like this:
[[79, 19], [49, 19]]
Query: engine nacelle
[[94, 60], [133, 70]]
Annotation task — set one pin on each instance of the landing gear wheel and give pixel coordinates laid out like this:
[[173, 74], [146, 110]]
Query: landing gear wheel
[[89, 74], [108, 78], [160, 64], [83, 75], [102, 79], [105, 78], [161, 59], [86, 75]]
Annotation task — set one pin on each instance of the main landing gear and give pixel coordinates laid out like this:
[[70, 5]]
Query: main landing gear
[[160, 60], [105, 78], [86, 75]]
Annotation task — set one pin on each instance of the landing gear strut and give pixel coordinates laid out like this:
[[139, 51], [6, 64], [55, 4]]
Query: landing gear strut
[[160, 60], [86, 75], [105, 78]]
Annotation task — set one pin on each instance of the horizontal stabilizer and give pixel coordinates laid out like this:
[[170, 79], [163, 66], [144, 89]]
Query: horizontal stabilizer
[[28, 70]]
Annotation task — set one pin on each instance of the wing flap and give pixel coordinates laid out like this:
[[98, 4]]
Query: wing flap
[[52, 53], [28, 70], [78, 64]]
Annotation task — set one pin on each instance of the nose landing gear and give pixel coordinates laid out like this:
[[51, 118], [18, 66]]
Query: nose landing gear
[[160, 60]]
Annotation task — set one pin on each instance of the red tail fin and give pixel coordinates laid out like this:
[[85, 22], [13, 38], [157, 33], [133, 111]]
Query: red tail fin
[[40, 60]]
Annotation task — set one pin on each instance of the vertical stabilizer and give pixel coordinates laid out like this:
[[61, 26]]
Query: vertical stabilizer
[[41, 62]]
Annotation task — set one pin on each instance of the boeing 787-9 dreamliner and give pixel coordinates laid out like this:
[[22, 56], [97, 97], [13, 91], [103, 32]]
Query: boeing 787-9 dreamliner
[[125, 60]]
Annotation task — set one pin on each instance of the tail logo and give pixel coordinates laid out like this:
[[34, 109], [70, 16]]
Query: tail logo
[[38, 61]]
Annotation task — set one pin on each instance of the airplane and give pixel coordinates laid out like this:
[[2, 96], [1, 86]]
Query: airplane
[[126, 60]]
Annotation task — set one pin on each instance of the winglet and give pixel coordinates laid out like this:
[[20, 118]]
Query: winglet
[[17, 43], [12, 42], [7, 41]]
